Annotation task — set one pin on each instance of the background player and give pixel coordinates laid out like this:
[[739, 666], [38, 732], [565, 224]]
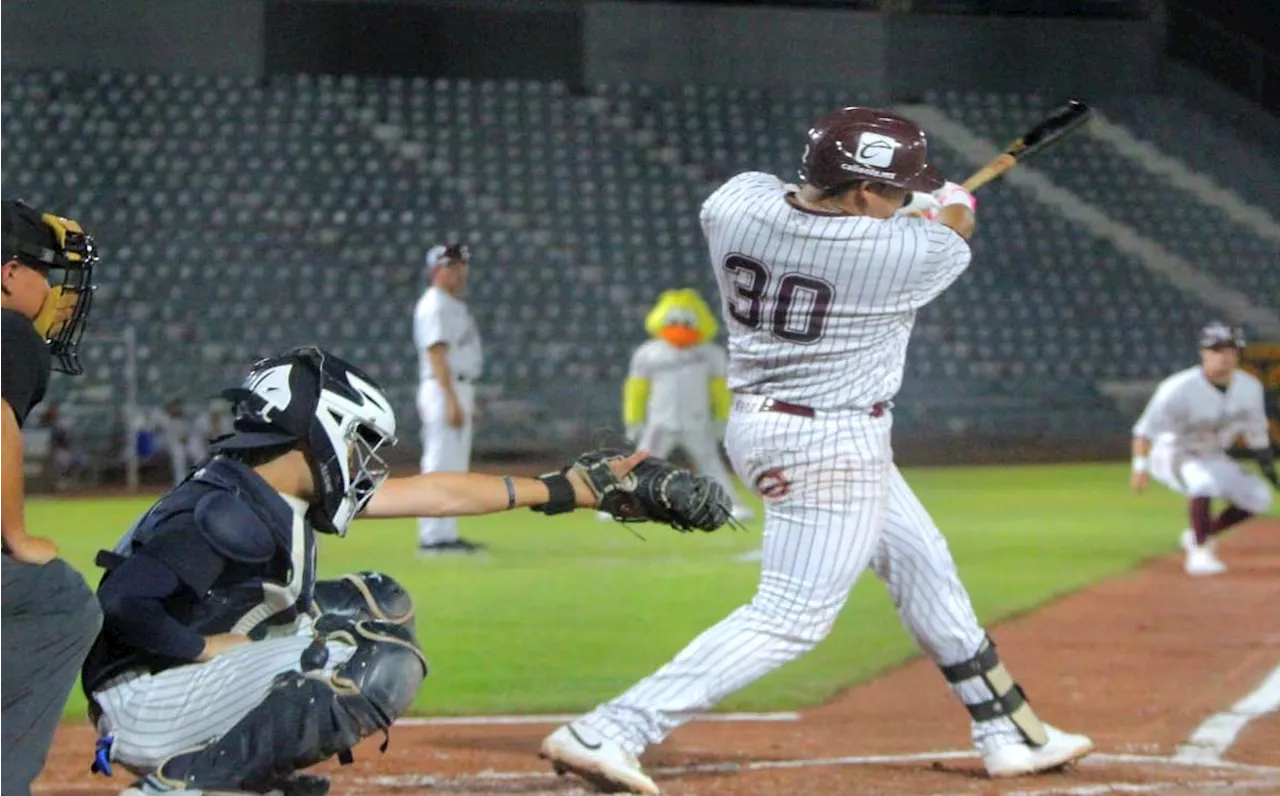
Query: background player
[[50, 616], [209, 673], [1182, 437], [820, 287], [449, 360], [675, 395]]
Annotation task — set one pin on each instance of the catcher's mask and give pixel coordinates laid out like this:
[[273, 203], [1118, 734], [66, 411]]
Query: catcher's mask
[[58, 248], [329, 409]]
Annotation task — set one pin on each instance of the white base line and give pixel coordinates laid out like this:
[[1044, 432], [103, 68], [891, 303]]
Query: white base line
[[1214, 736], [554, 719], [428, 780]]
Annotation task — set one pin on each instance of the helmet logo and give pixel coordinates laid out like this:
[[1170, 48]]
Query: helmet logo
[[272, 387], [875, 150]]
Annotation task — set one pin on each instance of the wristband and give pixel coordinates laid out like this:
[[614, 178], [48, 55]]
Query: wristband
[[511, 492], [562, 499], [1140, 464]]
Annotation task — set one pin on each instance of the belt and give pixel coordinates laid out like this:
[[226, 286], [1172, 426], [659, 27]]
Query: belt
[[799, 410]]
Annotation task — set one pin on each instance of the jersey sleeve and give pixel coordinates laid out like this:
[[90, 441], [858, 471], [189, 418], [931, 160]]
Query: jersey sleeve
[[947, 255], [1256, 431], [1157, 417], [20, 376], [429, 324], [641, 364]]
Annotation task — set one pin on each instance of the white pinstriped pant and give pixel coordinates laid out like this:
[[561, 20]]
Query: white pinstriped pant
[[156, 716], [847, 507]]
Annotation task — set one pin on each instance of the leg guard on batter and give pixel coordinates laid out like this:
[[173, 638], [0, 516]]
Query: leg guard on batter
[[310, 716], [1006, 700]]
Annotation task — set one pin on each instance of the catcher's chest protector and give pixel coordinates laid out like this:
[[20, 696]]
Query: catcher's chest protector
[[270, 551]]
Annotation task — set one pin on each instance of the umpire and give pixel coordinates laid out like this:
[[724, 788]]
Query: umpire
[[50, 617]]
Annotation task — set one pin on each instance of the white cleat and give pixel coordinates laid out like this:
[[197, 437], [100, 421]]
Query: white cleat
[[743, 513], [1201, 561], [603, 516], [601, 762], [1020, 759]]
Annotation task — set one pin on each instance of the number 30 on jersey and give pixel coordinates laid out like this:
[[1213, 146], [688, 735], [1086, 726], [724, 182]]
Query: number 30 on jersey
[[797, 305]]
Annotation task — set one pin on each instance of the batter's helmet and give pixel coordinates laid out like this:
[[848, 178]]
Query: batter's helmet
[[855, 144]]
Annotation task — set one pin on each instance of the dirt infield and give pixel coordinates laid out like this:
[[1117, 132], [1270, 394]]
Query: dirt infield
[[1140, 663]]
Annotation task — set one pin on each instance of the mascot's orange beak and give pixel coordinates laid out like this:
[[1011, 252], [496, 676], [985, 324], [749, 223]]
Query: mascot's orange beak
[[681, 336]]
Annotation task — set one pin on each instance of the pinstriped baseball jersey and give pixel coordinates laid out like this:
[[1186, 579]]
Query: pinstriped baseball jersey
[[819, 308]]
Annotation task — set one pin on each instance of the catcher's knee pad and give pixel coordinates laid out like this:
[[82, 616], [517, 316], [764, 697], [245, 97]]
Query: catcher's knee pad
[[365, 595], [1008, 700], [310, 716]]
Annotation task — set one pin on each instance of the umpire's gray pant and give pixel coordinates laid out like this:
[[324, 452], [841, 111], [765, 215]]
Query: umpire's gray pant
[[50, 619]]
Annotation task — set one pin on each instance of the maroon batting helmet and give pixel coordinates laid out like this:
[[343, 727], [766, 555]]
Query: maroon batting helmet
[[856, 144]]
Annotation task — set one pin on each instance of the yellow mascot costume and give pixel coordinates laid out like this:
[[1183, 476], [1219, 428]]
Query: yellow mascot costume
[[675, 395]]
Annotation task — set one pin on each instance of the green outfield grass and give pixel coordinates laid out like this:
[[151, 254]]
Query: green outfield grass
[[569, 611]]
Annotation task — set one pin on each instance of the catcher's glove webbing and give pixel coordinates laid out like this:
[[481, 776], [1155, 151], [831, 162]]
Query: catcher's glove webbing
[[655, 491]]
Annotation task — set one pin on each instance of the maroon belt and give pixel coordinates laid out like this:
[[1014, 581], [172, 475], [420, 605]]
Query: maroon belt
[[799, 410]]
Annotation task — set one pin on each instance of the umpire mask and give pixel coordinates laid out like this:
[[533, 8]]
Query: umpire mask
[[59, 248], [336, 414]]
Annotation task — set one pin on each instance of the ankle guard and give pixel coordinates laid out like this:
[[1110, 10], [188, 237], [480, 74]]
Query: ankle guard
[[1008, 699]]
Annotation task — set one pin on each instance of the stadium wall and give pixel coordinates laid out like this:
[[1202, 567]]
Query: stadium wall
[[892, 56]]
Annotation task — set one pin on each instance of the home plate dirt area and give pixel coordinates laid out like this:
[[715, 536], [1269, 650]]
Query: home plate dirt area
[[1176, 679]]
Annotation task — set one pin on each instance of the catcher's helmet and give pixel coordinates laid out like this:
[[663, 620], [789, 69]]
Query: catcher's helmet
[[855, 144], [1218, 334], [337, 415]]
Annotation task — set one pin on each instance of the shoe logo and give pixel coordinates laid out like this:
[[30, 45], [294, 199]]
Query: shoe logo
[[582, 740]]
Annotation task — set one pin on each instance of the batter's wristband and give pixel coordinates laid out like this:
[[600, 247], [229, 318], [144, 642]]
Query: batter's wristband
[[1141, 464], [562, 498]]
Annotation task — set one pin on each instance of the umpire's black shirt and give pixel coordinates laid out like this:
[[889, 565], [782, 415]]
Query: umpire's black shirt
[[26, 364]]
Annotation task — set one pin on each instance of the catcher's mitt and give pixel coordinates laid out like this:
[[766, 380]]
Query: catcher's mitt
[[655, 491]]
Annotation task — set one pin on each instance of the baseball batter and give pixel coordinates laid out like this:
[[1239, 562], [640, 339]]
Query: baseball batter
[[1182, 437], [820, 287], [449, 362], [676, 395]]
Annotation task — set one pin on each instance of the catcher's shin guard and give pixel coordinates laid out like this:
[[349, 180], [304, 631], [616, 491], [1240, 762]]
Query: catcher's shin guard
[[1007, 699], [309, 717]]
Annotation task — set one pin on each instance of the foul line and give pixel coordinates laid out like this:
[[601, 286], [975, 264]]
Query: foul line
[[482, 721], [428, 780], [1215, 735]]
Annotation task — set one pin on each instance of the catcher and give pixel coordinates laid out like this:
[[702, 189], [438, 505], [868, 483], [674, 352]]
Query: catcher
[[222, 664]]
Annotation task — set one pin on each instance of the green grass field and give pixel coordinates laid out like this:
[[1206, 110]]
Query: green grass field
[[566, 612]]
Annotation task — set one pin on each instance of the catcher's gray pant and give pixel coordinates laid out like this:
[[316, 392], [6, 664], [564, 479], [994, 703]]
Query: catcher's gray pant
[[156, 716], [50, 619]]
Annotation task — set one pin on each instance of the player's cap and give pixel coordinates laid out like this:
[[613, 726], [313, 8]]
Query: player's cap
[[854, 144], [1219, 334], [452, 252]]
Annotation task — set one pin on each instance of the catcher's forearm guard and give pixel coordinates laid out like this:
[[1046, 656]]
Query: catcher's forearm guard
[[562, 498]]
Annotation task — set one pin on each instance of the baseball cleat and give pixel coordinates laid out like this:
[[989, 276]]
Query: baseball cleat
[[1201, 560], [456, 547], [1021, 759], [601, 762]]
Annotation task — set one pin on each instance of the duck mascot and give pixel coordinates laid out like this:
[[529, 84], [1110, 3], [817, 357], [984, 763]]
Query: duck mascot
[[675, 395]]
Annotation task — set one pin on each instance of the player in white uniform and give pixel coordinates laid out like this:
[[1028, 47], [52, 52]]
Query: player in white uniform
[[675, 396], [820, 287], [449, 361], [1182, 437]]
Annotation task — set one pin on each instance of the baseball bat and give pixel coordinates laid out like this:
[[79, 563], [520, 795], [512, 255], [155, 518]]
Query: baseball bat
[[1053, 128]]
